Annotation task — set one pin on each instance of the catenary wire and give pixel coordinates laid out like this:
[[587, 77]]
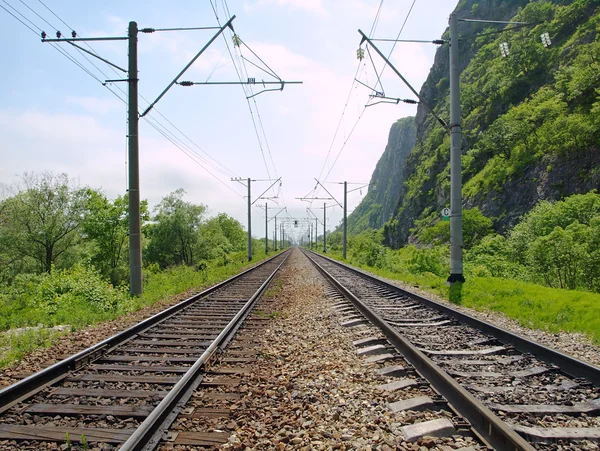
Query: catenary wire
[[165, 132]]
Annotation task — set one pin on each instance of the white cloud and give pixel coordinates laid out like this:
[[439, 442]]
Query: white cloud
[[97, 105]]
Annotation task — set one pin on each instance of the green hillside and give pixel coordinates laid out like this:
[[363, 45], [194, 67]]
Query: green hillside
[[530, 120]]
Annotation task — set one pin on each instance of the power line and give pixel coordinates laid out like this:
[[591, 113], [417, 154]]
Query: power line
[[239, 73], [157, 125], [182, 149], [228, 172], [364, 108]]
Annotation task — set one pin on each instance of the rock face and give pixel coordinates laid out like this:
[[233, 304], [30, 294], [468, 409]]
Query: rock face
[[386, 182], [414, 184]]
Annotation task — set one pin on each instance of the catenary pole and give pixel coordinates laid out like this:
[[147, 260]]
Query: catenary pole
[[275, 231], [324, 231], [249, 220], [135, 237], [266, 229], [456, 230], [345, 219]]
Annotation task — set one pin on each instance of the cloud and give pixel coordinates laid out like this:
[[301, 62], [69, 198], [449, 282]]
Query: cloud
[[97, 105], [96, 154]]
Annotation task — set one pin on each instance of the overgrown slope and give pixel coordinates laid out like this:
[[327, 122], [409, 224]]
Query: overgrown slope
[[531, 120]]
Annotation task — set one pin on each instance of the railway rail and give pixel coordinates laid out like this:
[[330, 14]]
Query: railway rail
[[514, 393], [129, 389]]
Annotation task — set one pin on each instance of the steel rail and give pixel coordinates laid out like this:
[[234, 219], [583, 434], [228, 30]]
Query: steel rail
[[569, 365], [490, 427], [147, 435], [32, 384]]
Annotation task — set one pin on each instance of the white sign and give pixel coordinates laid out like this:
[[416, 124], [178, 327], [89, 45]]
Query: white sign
[[446, 212]]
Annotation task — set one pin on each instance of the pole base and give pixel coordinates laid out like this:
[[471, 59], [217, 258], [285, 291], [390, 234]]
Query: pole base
[[456, 278]]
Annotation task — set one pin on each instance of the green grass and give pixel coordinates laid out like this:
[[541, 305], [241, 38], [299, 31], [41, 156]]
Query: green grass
[[14, 346], [79, 297], [533, 306]]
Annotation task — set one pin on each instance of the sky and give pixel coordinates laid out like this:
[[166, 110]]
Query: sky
[[57, 116]]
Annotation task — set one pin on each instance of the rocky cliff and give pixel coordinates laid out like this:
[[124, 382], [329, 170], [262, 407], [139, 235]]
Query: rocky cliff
[[386, 182], [530, 120]]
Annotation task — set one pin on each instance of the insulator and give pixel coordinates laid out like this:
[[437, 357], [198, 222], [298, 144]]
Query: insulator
[[44, 35], [58, 34], [73, 34]]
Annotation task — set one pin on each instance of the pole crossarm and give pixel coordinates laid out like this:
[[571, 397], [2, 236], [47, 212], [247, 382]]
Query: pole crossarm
[[361, 187], [108, 38], [332, 197], [418, 41], [276, 214], [421, 99], [314, 198], [227, 24], [249, 82], [152, 30], [270, 186], [72, 40], [97, 56]]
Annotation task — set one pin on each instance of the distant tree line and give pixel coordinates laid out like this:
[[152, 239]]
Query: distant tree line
[[47, 221]]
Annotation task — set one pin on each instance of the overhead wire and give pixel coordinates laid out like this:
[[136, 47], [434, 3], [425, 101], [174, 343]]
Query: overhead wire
[[161, 128], [248, 93], [228, 171], [364, 108], [356, 75]]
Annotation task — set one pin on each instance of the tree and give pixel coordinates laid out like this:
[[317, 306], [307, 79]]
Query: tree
[[233, 231], [174, 234], [107, 224], [42, 220], [558, 257]]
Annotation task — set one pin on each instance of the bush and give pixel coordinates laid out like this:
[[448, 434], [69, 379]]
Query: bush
[[76, 296], [434, 260]]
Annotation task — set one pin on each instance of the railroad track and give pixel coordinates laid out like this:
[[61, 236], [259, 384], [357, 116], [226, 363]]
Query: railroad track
[[128, 390], [514, 393]]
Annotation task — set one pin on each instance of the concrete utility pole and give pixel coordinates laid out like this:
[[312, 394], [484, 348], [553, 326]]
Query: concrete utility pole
[[250, 203], [345, 220], [266, 228], [249, 221], [275, 231], [456, 230], [135, 230], [324, 228]]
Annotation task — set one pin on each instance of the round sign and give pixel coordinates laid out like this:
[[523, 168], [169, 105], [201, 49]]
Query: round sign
[[446, 212]]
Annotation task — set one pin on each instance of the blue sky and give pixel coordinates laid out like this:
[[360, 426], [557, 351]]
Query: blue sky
[[56, 117]]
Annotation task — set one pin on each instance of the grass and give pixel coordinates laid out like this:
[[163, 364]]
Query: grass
[[15, 345], [274, 289], [78, 298], [533, 306]]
